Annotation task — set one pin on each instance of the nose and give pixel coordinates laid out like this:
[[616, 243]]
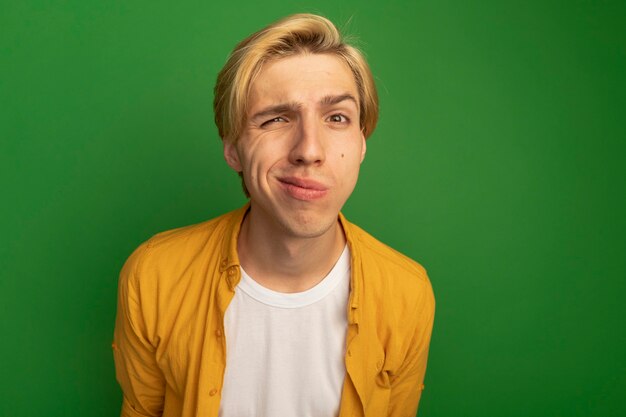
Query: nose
[[308, 146]]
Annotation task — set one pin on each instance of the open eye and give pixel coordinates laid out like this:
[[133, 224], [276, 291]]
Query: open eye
[[273, 120], [338, 118]]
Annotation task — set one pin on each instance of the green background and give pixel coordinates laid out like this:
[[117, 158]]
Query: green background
[[498, 163]]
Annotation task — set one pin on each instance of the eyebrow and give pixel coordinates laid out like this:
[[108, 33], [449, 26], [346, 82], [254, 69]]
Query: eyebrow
[[276, 109], [331, 100], [291, 107]]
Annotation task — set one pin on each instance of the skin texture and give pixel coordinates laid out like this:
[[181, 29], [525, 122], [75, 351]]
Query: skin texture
[[300, 154]]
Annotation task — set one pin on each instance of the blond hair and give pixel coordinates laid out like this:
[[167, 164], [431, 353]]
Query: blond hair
[[292, 35]]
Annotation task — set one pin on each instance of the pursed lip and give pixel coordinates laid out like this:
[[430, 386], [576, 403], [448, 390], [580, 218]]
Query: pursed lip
[[304, 183], [303, 189]]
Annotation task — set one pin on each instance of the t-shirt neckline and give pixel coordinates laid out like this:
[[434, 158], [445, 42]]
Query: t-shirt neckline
[[298, 299]]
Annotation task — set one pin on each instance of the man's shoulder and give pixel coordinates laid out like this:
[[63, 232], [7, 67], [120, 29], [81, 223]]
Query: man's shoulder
[[396, 285], [377, 254], [177, 248], [391, 276], [190, 235]]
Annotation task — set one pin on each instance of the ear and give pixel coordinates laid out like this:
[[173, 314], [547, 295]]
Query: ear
[[363, 146], [231, 156]]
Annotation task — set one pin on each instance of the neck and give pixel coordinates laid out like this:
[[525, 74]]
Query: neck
[[284, 262]]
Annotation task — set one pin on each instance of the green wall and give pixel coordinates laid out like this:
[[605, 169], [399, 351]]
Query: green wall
[[499, 164]]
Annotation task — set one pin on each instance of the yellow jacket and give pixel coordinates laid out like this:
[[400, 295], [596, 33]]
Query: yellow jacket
[[169, 347]]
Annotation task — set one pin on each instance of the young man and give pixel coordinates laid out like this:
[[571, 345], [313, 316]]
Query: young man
[[283, 307]]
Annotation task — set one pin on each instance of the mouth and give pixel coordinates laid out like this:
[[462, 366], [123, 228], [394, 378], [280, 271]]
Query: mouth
[[303, 189]]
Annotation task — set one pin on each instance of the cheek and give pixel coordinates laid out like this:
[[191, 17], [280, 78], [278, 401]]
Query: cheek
[[259, 160], [348, 164]]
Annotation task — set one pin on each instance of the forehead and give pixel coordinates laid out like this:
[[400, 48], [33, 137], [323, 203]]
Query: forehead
[[301, 78]]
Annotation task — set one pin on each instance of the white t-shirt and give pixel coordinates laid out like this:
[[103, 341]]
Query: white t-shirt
[[285, 351]]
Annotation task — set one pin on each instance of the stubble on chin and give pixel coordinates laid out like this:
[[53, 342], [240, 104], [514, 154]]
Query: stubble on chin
[[306, 226]]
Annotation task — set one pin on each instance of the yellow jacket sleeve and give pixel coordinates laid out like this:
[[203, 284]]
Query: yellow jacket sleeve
[[408, 383], [136, 367]]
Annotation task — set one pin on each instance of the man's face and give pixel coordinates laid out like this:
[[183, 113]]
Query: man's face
[[302, 146]]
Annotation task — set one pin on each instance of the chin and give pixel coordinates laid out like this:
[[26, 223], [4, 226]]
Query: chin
[[308, 228]]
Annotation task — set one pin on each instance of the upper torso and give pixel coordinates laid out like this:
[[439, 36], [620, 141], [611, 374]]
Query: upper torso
[[183, 281], [284, 351]]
